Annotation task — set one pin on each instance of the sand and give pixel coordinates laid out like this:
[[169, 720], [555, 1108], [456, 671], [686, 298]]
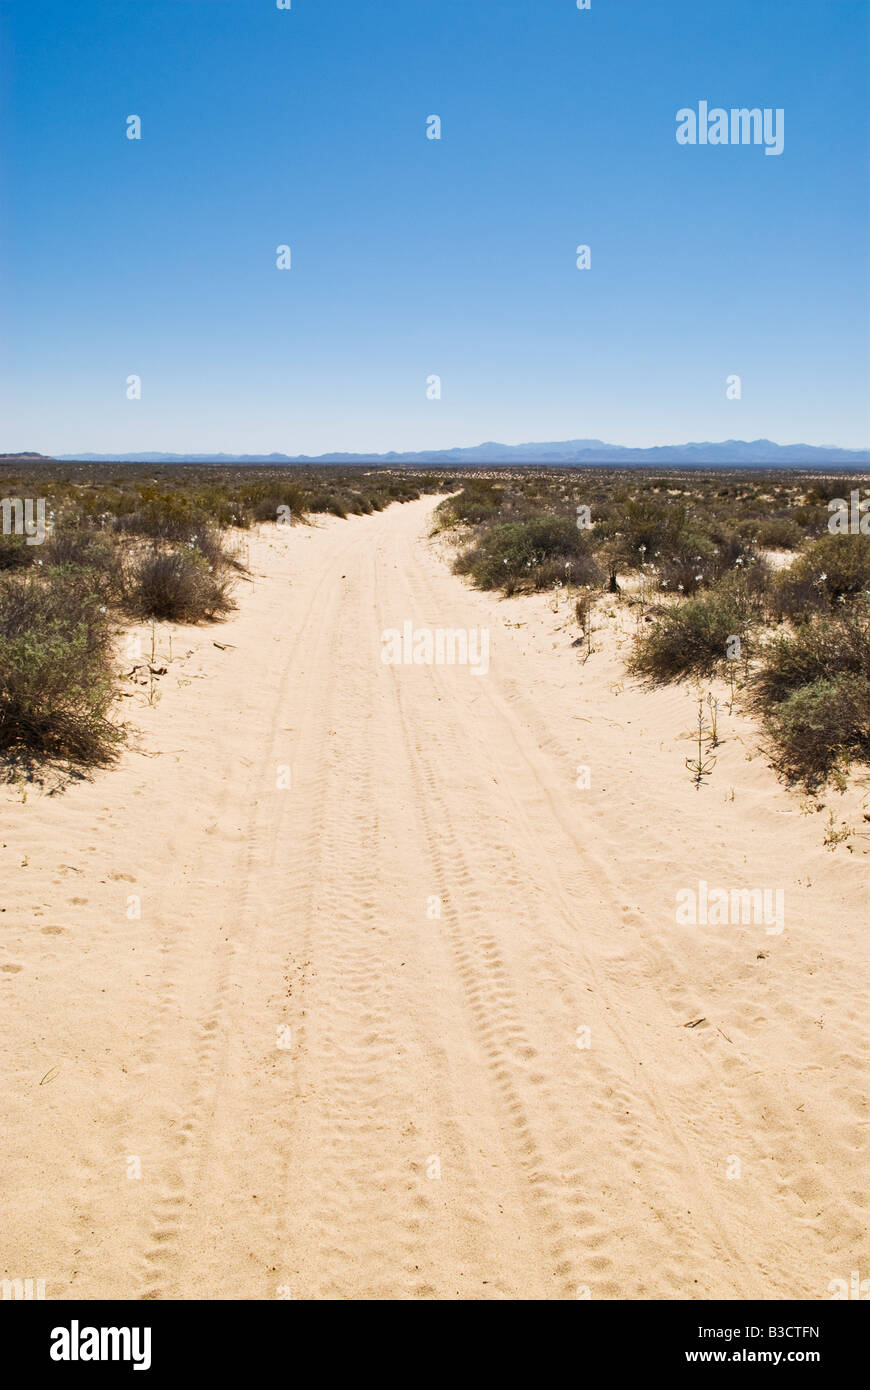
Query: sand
[[417, 1025]]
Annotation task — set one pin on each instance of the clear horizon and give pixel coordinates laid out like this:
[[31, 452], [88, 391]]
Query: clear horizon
[[413, 258], [498, 443]]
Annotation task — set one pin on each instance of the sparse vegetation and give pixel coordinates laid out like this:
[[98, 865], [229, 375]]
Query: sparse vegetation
[[834, 569], [689, 550], [132, 543], [686, 549]]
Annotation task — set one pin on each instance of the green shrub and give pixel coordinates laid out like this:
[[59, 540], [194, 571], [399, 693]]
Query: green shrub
[[812, 691], [261, 503], [820, 726], [80, 547], [478, 501], [531, 554], [165, 517], [92, 559], [326, 502], [56, 679], [834, 569], [691, 638], [686, 549], [824, 645], [779, 533], [641, 529]]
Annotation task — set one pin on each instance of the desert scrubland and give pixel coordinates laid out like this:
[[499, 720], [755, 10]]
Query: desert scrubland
[[432, 897]]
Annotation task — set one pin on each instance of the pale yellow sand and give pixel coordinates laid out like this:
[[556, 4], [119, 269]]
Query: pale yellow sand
[[412, 1045]]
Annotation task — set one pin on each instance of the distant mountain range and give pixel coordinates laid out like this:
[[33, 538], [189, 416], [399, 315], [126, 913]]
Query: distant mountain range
[[568, 452]]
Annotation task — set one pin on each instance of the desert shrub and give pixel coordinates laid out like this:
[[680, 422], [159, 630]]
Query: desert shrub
[[530, 554], [812, 691], [56, 680], [779, 533], [15, 553], [164, 517], [811, 519], [797, 596], [640, 529], [261, 503], [834, 569], [217, 508], [177, 586], [824, 645], [688, 550], [691, 637], [825, 490], [326, 502], [478, 502], [583, 609], [749, 584], [402, 490], [743, 526], [688, 563], [217, 551], [821, 725], [79, 547], [91, 558], [696, 559]]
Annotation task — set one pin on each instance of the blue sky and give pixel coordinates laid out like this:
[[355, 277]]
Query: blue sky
[[413, 257]]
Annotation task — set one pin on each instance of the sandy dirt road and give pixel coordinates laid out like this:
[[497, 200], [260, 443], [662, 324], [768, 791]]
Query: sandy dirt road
[[336, 1053]]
